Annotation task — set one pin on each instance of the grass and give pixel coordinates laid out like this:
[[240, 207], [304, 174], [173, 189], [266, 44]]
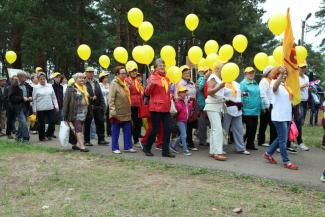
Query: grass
[[40, 181]]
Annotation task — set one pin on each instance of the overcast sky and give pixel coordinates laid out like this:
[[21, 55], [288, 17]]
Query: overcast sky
[[299, 9]]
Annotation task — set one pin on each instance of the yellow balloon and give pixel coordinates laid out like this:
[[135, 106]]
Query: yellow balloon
[[261, 61], [174, 74], [277, 23], [146, 30], [135, 17], [278, 55], [139, 54], [272, 61], [131, 65], [150, 54], [195, 54], [121, 55], [226, 52], [202, 63], [301, 54], [240, 43], [191, 22], [229, 72], [168, 53], [104, 61], [211, 46], [169, 64], [84, 52], [11, 56], [211, 59]]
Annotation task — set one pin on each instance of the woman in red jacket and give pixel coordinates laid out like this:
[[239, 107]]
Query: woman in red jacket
[[158, 89], [136, 91]]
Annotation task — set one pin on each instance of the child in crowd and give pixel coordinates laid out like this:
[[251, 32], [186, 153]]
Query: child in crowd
[[183, 108]]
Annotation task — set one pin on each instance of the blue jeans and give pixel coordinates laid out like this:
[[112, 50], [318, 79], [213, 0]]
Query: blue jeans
[[116, 127], [22, 132], [282, 129], [182, 137]]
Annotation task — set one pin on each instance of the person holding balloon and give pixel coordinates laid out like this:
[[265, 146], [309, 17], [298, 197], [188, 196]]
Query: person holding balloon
[[252, 106], [232, 119], [136, 91], [158, 89], [120, 111], [104, 86], [214, 106], [96, 108], [191, 97]]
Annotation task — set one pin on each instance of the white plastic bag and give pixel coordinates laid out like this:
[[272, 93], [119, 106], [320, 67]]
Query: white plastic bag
[[173, 109], [64, 134]]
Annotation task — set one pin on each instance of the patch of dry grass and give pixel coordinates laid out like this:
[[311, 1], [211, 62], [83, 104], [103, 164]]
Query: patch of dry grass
[[73, 184]]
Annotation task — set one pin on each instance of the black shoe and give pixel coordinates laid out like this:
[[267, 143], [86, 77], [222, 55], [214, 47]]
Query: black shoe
[[168, 155], [74, 147], [252, 148], [84, 150], [103, 142], [292, 150], [148, 154], [206, 144], [54, 136], [88, 144], [43, 140]]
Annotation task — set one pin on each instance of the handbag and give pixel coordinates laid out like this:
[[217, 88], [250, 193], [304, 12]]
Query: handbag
[[293, 132], [64, 134], [195, 112], [173, 109]]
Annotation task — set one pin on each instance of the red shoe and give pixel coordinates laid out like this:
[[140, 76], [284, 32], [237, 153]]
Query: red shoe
[[269, 158], [290, 166]]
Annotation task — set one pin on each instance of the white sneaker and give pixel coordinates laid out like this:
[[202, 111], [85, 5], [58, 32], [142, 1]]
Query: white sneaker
[[187, 153], [278, 150], [131, 150], [303, 147], [194, 149], [117, 152], [266, 145], [294, 145], [244, 152]]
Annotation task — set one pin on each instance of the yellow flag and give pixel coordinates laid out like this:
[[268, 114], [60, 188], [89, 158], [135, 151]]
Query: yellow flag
[[290, 61]]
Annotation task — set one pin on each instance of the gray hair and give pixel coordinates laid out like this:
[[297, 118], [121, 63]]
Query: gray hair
[[158, 61], [22, 73], [78, 75]]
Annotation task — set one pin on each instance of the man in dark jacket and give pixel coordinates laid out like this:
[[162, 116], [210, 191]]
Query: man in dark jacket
[[20, 98], [95, 109], [58, 90], [2, 105]]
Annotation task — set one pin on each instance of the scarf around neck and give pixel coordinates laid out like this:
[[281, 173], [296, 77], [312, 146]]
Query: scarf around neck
[[84, 92], [125, 88]]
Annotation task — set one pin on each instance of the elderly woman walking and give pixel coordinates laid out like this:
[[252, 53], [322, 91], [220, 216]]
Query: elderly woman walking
[[251, 106], [281, 116], [213, 106], [158, 89], [75, 108], [120, 111], [45, 105]]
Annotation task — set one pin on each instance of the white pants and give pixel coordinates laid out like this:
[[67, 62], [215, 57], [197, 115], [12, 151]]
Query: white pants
[[216, 134]]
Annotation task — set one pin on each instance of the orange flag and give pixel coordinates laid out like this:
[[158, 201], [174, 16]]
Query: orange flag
[[290, 61]]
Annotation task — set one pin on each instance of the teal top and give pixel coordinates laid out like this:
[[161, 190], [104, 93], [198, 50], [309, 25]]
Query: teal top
[[200, 94], [252, 103]]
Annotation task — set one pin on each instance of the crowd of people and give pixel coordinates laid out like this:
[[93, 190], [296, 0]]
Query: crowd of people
[[160, 112]]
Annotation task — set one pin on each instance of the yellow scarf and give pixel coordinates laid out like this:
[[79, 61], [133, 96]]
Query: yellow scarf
[[138, 86], [230, 86], [84, 92], [164, 83], [289, 90], [125, 88]]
